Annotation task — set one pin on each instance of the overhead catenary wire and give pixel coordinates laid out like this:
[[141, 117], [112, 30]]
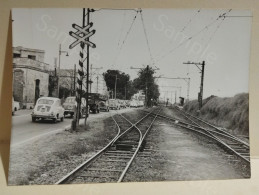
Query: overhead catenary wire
[[191, 37], [125, 38], [145, 32], [216, 29], [190, 20], [120, 37], [116, 9], [181, 31], [122, 27]]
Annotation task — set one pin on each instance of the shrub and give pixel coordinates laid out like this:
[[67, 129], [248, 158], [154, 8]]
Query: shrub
[[229, 112]]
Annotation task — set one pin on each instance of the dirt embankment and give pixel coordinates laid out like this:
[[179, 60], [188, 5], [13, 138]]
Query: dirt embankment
[[230, 112]]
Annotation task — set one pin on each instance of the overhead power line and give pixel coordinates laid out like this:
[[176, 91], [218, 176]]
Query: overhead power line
[[191, 37], [181, 31], [217, 28], [122, 27], [190, 20], [125, 38], [145, 32]]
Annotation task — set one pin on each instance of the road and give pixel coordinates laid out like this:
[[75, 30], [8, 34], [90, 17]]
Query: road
[[24, 130]]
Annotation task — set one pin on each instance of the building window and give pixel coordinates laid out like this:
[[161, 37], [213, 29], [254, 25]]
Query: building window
[[32, 57], [16, 55]]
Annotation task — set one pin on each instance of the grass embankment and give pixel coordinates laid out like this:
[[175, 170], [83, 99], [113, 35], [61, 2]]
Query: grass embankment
[[231, 112]]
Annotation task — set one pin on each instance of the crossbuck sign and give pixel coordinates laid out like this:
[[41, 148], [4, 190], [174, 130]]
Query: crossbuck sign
[[81, 35]]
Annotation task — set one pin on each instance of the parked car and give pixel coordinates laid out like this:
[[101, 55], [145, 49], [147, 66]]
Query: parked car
[[114, 104], [70, 106], [104, 105], [94, 99], [13, 107], [141, 103], [122, 103], [16, 105], [48, 108], [133, 104], [127, 103]]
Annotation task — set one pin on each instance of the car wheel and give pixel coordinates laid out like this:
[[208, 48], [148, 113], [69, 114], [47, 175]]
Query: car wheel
[[54, 120], [62, 119], [33, 119]]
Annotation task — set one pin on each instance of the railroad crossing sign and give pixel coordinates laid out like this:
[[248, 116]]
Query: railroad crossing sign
[[81, 35]]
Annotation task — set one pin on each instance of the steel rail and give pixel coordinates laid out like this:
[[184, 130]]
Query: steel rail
[[132, 125], [66, 177], [208, 134], [224, 144], [213, 126], [137, 149], [92, 158], [170, 119]]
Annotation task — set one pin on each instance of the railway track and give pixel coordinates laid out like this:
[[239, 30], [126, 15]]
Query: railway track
[[229, 142], [112, 162]]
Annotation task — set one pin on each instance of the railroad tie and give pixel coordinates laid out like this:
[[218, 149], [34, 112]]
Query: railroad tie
[[106, 170]]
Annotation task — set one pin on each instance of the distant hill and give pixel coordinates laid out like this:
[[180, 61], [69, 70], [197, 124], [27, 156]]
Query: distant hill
[[229, 112]]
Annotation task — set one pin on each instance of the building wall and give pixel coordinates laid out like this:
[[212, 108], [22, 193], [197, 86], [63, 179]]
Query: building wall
[[24, 85], [25, 52], [30, 82], [18, 84], [25, 73]]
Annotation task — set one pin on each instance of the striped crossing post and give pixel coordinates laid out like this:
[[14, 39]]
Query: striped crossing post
[[81, 35], [79, 83]]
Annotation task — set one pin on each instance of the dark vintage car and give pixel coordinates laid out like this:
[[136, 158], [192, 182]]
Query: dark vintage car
[[94, 100], [70, 106], [114, 104], [104, 105]]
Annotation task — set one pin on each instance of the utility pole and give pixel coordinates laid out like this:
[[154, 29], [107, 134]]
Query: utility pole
[[125, 92], [59, 54], [166, 95], [146, 96], [87, 65], [82, 35], [91, 78], [92, 74], [97, 82], [179, 88], [200, 94], [186, 79], [74, 91], [115, 86]]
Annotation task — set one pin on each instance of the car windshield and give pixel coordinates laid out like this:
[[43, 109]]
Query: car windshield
[[70, 100], [45, 101], [102, 103]]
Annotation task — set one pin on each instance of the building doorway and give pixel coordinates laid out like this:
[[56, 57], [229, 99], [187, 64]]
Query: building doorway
[[37, 90]]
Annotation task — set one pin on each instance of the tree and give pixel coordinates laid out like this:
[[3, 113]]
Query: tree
[[146, 82], [123, 83]]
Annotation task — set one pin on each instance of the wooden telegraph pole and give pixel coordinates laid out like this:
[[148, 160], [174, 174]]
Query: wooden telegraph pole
[[200, 94]]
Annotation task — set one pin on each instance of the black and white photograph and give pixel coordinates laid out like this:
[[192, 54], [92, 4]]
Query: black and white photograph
[[105, 95]]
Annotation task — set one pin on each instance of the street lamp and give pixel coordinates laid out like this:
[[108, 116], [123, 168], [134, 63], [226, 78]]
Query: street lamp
[[60, 52]]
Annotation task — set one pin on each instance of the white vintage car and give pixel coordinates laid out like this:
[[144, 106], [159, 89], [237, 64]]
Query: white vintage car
[[48, 108]]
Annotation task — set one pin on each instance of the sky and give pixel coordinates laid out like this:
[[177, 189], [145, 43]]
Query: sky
[[164, 39]]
